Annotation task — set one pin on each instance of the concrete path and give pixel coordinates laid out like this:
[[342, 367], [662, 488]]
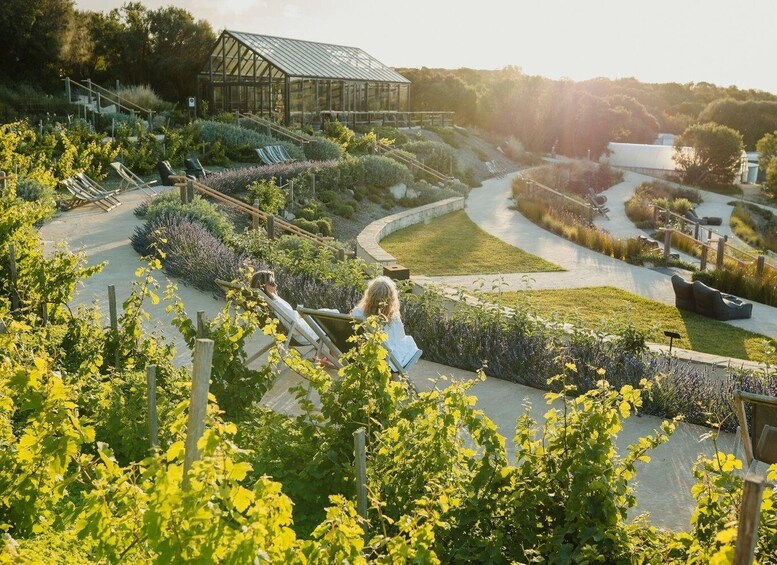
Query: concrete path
[[489, 207], [663, 484]]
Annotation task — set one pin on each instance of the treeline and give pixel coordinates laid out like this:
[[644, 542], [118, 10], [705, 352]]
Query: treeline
[[47, 40], [578, 116]]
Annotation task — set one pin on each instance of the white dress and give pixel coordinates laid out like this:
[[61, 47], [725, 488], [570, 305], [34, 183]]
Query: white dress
[[294, 315], [401, 345]]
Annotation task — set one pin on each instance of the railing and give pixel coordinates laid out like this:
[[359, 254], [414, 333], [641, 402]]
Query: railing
[[739, 257], [272, 222], [411, 162], [272, 128], [586, 209], [99, 93], [391, 118]]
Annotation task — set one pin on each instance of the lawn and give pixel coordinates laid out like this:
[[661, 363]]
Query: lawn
[[607, 309], [454, 245]]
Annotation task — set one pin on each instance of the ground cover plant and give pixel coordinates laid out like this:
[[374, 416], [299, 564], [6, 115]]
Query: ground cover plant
[[565, 219], [754, 225], [583, 307], [639, 208], [453, 245]]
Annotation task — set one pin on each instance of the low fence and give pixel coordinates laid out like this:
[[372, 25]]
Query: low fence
[[585, 210], [273, 224]]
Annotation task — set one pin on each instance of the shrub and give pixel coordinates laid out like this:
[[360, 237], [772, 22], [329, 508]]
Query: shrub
[[438, 156], [240, 142], [143, 96], [307, 225], [382, 172], [198, 210], [322, 149], [267, 196], [236, 180], [32, 190]]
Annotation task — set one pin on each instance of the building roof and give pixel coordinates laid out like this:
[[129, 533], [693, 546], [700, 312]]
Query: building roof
[[300, 58], [641, 156]]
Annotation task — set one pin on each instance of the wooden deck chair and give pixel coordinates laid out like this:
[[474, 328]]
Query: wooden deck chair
[[285, 154], [130, 181], [81, 196], [264, 156], [295, 336], [93, 187], [335, 330], [759, 437]]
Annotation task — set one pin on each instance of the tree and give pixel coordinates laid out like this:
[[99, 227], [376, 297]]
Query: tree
[[767, 160], [753, 118], [179, 48], [716, 155], [32, 38]]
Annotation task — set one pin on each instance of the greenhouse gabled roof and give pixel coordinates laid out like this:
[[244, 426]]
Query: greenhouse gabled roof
[[301, 58]]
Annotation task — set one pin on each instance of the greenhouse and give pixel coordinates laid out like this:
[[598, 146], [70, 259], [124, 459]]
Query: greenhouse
[[298, 82]]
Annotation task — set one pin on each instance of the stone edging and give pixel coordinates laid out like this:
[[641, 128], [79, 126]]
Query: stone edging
[[368, 241]]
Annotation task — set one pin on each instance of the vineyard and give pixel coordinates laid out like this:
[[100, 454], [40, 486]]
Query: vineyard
[[83, 479]]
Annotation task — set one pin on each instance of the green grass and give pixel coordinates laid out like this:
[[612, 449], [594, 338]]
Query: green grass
[[454, 245], [607, 309]]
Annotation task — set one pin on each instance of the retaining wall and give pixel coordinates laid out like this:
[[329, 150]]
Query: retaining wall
[[368, 241]]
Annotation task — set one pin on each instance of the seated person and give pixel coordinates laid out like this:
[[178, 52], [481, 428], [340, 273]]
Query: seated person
[[381, 299], [265, 280]]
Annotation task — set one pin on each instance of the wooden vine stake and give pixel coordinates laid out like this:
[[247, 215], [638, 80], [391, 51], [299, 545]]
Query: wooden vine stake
[[153, 422], [198, 404], [360, 462], [114, 322], [201, 324], [12, 270], [749, 514]]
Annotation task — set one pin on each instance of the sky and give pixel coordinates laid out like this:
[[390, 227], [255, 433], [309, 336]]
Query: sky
[[725, 42]]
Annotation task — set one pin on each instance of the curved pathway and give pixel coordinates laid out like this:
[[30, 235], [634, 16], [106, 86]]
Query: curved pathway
[[489, 207], [663, 487]]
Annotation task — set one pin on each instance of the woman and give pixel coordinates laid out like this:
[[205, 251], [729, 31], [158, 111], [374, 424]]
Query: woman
[[381, 299], [265, 280]]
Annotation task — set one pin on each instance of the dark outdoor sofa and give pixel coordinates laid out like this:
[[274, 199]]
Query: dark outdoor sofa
[[710, 302], [704, 221]]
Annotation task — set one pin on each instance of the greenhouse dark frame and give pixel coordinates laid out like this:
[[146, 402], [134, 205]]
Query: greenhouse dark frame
[[296, 82]]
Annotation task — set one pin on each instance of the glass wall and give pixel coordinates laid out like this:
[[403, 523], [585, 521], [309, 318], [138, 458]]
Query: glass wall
[[238, 78]]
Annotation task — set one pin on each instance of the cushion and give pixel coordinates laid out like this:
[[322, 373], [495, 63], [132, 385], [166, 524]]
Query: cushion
[[706, 299], [683, 294]]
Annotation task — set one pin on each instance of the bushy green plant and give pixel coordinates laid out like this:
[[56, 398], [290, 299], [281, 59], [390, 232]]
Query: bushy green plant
[[140, 149], [322, 149], [267, 195], [199, 210], [143, 96], [33, 190], [382, 172], [241, 143], [438, 156]]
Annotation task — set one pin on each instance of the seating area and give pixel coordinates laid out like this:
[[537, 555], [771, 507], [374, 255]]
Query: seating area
[[87, 191], [130, 181], [597, 204], [335, 330], [702, 299], [274, 154], [195, 169]]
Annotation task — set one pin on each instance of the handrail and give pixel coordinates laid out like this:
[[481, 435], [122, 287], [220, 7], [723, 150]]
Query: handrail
[[585, 205], [278, 129], [413, 162], [181, 181], [118, 98]]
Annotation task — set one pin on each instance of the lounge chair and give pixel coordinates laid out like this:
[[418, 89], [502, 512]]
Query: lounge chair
[[759, 436], [194, 168], [165, 172], [265, 156], [600, 199], [295, 337], [335, 330], [599, 208], [130, 181], [83, 196], [712, 303]]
